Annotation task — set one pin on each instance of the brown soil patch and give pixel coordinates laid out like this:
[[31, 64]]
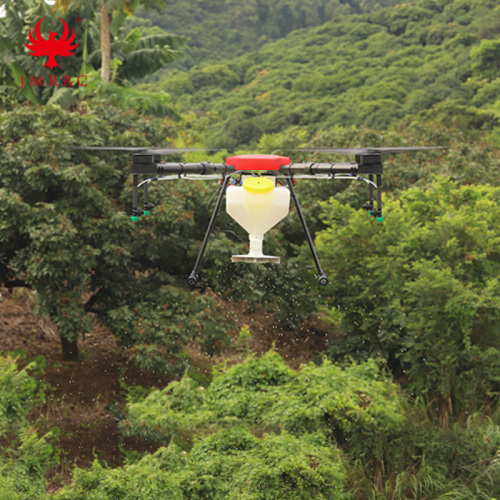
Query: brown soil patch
[[296, 347]]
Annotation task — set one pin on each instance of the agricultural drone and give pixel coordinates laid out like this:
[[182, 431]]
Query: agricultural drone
[[258, 196]]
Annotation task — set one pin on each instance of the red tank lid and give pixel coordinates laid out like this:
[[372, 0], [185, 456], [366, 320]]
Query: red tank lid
[[257, 162]]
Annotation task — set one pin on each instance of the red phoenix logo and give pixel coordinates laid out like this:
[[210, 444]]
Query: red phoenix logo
[[52, 47]]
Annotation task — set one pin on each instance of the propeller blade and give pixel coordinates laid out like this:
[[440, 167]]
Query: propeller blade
[[109, 148], [145, 150], [363, 151]]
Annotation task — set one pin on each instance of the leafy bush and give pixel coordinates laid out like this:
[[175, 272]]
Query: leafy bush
[[66, 224], [263, 431], [23, 469], [26, 458], [231, 463], [355, 406], [64, 232], [146, 479], [163, 321], [421, 289], [20, 392]]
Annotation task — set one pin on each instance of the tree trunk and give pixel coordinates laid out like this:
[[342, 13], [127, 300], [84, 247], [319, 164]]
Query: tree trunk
[[105, 43], [69, 349]]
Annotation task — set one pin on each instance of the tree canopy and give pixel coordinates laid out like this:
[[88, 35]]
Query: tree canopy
[[65, 233]]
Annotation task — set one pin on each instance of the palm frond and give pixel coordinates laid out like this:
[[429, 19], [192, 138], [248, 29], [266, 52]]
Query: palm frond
[[26, 91], [94, 58], [64, 97], [151, 103], [175, 42]]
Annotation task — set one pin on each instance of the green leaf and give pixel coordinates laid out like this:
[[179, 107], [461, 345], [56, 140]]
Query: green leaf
[[27, 91]]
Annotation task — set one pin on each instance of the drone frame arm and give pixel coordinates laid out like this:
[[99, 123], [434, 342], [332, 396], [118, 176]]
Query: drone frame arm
[[136, 211], [322, 278], [193, 277], [379, 197]]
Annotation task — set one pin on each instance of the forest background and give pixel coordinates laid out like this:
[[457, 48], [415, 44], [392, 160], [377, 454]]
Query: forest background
[[400, 395]]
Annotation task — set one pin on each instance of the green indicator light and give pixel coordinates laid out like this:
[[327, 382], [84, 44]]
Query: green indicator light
[[134, 218]]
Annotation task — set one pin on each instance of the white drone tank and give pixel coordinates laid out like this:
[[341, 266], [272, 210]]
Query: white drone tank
[[257, 206]]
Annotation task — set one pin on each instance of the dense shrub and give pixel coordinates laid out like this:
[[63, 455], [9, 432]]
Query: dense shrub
[[23, 466], [231, 463], [20, 392], [25, 457], [421, 289], [259, 431], [355, 406]]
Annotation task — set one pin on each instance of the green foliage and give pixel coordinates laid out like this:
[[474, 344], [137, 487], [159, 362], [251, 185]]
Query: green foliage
[[147, 478], [274, 467], [425, 297], [261, 430], [227, 28], [485, 58], [26, 458], [355, 406], [215, 75], [244, 341], [64, 233], [163, 321], [98, 93], [231, 463], [19, 392], [23, 469], [431, 462], [416, 60], [57, 242], [458, 460]]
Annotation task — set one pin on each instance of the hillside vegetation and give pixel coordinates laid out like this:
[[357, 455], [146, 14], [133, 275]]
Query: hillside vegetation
[[224, 29], [432, 59], [400, 396]]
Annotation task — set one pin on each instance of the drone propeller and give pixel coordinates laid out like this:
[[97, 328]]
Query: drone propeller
[[144, 150], [366, 151]]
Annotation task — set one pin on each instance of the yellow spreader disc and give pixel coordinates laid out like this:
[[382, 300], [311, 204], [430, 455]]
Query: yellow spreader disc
[[258, 185]]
